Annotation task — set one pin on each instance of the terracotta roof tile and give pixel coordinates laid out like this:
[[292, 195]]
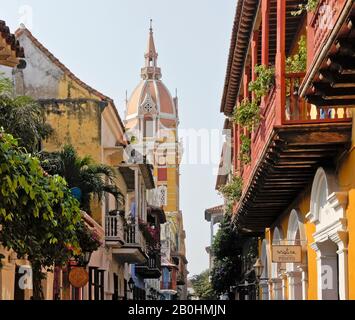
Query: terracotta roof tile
[[242, 27]]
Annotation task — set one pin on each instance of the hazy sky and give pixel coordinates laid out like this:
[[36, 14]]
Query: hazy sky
[[103, 43]]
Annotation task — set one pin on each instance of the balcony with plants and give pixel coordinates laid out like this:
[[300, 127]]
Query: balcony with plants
[[279, 138]]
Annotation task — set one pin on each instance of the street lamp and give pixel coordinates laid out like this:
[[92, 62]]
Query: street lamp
[[258, 268]]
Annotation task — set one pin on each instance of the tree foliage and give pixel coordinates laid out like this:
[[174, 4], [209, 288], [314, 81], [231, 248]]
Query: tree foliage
[[227, 246], [202, 286], [225, 273], [38, 214], [225, 242], [22, 117], [81, 172]]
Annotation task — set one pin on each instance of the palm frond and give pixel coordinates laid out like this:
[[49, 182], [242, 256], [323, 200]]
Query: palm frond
[[6, 86]]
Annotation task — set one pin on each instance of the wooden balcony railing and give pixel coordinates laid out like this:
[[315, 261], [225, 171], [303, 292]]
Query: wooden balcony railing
[[296, 111], [321, 22]]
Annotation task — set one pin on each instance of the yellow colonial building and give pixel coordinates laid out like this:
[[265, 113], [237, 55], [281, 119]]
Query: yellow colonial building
[[88, 120], [152, 122], [298, 194]]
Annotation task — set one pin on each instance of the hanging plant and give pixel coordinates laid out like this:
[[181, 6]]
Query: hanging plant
[[298, 62], [245, 149], [228, 208], [264, 81], [232, 191], [309, 6], [247, 114]]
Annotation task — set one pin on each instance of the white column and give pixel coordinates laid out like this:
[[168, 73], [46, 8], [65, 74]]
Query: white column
[[341, 240], [284, 286], [327, 270], [276, 289], [264, 287], [294, 285], [304, 280]]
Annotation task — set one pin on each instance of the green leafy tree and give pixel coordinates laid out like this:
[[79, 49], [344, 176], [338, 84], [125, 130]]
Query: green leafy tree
[[83, 173], [227, 250], [22, 117], [225, 242], [38, 214], [225, 273], [202, 286]]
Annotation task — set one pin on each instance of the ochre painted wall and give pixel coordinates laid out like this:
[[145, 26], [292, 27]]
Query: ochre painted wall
[[303, 206], [346, 180]]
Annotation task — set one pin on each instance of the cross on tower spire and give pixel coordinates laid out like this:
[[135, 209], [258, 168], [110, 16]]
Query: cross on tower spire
[[151, 70]]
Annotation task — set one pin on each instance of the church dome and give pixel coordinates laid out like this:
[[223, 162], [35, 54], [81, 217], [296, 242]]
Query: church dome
[[153, 90], [151, 96]]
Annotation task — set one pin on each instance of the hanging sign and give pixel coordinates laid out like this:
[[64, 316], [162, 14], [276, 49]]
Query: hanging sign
[[78, 277], [286, 254]]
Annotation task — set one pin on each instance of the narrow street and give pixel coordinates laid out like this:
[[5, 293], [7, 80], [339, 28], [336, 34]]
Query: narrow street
[[191, 153]]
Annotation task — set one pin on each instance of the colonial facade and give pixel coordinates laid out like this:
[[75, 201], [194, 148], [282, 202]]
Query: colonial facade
[[129, 232], [152, 122], [298, 185]]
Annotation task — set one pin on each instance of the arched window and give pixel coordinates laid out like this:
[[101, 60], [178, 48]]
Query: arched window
[[328, 205]]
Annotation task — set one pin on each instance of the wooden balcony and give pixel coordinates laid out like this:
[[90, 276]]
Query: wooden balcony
[[114, 230], [288, 146], [152, 268], [330, 79], [133, 249]]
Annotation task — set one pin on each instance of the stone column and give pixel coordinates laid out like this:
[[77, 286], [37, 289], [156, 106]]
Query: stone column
[[341, 240], [326, 271], [276, 288], [270, 290], [294, 285], [264, 288], [304, 280], [284, 280]]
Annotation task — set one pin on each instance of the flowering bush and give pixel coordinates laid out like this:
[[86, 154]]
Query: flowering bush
[[89, 240]]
